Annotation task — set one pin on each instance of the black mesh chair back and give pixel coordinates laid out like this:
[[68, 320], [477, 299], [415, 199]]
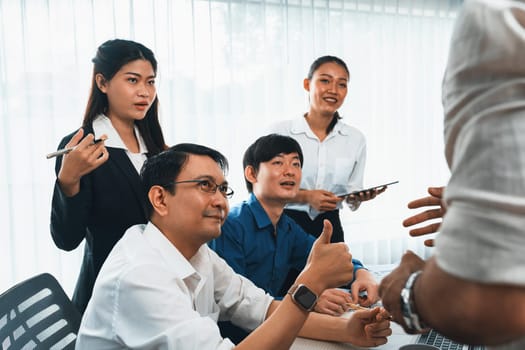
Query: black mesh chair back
[[37, 314]]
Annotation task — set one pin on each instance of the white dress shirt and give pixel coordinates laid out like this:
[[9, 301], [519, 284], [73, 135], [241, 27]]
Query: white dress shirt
[[483, 233], [102, 125], [148, 296], [337, 164]]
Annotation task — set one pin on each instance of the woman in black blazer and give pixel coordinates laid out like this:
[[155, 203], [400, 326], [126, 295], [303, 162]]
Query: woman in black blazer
[[98, 193]]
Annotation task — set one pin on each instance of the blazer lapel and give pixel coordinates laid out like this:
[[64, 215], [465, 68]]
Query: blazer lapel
[[128, 172]]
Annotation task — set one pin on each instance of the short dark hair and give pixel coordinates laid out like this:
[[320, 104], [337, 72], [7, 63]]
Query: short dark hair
[[315, 66], [163, 168], [267, 147]]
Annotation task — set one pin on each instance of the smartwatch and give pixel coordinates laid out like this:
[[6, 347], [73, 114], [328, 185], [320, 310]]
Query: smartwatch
[[303, 296]]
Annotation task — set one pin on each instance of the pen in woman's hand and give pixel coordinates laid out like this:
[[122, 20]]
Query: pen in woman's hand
[[69, 149]]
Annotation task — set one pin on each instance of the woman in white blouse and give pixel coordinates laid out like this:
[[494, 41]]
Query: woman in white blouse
[[334, 152]]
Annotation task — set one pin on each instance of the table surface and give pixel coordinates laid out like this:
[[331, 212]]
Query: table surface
[[398, 338]]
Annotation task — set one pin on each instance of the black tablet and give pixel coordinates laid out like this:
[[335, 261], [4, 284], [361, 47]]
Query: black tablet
[[367, 189]]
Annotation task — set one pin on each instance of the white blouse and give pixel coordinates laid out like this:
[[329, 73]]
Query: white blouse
[[102, 125], [337, 164]]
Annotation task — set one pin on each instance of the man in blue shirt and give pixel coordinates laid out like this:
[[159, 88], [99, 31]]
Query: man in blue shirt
[[262, 243]]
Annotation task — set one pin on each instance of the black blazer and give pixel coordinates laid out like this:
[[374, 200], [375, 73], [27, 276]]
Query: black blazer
[[111, 199]]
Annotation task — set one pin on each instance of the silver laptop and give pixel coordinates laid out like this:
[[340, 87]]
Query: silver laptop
[[441, 342], [399, 337]]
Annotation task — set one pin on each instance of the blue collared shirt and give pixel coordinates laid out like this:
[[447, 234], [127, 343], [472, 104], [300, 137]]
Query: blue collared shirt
[[250, 245]]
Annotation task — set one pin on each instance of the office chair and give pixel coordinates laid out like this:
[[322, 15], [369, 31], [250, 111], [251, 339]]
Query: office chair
[[37, 314]]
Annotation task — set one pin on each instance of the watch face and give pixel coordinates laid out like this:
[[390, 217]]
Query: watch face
[[304, 296]]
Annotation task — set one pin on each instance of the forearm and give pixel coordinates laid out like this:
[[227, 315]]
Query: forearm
[[466, 310], [283, 321], [301, 197], [325, 327], [308, 325], [280, 328], [271, 334]]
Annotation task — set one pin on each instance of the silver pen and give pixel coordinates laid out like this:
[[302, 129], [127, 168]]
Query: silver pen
[[69, 149]]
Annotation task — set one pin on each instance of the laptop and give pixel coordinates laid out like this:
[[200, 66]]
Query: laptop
[[399, 337]]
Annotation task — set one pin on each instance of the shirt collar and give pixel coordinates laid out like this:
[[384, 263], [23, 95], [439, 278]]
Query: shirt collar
[[173, 257], [261, 217], [102, 125], [300, 126], [340, 128]]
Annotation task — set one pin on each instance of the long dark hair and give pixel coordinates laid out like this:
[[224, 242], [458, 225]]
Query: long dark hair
[[314, 66], [110, 57]]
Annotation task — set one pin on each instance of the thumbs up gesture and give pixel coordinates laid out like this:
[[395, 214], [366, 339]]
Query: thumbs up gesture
[[329, 265]]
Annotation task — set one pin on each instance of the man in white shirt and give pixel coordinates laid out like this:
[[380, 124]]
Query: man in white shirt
[[163, 288]]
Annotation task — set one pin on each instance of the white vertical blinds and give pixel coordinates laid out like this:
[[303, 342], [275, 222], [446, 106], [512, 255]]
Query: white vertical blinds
[[227, 69]]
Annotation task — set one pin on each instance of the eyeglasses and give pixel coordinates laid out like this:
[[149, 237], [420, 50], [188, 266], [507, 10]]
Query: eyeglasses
[[208, 186]]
